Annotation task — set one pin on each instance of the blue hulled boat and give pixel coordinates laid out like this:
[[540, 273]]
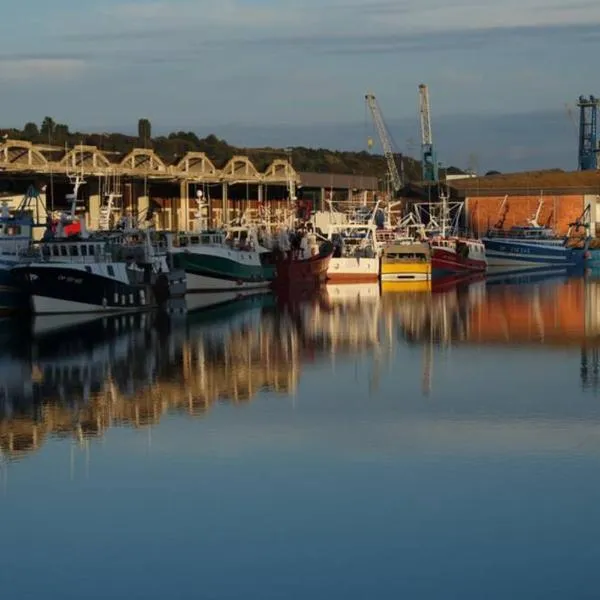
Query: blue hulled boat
[[529, 246]]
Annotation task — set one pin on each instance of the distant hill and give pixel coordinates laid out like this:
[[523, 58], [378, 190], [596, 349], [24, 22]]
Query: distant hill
[[173, 146]]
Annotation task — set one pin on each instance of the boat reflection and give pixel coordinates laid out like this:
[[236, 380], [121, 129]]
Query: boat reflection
[[132, 370]]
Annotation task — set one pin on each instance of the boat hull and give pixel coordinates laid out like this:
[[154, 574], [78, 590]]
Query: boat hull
[[353, 270], [220, 269], [406, 271], [63, 289], [513, 253], [446, 261], [311, 271]]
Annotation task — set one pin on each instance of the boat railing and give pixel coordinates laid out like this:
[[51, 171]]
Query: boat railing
[[528, 233]]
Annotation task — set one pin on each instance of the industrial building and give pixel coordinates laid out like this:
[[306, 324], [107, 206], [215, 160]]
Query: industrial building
[[141, 180], [514, 199]]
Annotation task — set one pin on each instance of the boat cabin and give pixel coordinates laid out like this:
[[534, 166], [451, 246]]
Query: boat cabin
[[74, 251], [403, 252], [523, 232], [187, 239], [352, 240], [12, 228], [475, 247], [15, 234]]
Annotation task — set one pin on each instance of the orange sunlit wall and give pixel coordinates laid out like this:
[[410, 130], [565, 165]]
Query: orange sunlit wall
[[557, 211]]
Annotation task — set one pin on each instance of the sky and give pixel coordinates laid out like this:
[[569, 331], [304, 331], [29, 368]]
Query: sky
[[290, 71]]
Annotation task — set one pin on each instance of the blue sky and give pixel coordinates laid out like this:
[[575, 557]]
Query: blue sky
[[235, 65]]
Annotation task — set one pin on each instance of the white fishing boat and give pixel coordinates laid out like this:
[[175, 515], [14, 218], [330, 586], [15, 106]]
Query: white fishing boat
[[356, 247]]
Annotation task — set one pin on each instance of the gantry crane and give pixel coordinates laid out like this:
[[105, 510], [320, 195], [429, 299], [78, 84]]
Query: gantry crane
[[588, 134], [386, 141], [428, 156]]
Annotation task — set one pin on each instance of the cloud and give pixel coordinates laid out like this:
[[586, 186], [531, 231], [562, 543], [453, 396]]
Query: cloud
[[369, 16], [449, 40], [19, 69], [373, 27], [202, 14], [286, 61]]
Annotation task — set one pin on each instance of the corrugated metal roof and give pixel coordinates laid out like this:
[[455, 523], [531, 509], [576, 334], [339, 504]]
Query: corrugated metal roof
[[530, 182]]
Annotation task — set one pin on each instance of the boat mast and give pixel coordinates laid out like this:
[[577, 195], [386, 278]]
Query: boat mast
[[534, 222]]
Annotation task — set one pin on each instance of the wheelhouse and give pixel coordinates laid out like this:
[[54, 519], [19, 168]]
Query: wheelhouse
[[203, 238], [74, 251], [399, 253]]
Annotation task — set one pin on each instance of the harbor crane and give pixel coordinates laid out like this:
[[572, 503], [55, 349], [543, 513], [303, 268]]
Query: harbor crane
[[588, 135], [386, 141], [428, 156]]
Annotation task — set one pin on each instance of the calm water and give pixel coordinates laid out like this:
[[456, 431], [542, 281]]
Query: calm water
[[351, 445]]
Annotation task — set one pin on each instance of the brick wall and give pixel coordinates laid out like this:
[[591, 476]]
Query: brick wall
[[558, 211]]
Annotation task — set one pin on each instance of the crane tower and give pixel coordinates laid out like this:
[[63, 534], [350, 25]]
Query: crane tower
[[386, 141], [428, 156], [588, 138]]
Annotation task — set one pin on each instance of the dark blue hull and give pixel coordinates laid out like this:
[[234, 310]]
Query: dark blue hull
[[13, 298], [521, 253]]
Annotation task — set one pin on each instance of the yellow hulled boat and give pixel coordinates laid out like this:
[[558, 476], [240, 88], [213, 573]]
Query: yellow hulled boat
[[406, 262]]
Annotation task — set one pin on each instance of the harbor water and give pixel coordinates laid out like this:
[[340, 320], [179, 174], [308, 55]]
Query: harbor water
[[351, 443]]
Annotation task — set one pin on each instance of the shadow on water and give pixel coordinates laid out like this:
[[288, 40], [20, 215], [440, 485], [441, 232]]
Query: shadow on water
[[76, 380]]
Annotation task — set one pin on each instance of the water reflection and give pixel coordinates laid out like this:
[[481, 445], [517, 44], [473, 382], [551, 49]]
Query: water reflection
[[132, 370]]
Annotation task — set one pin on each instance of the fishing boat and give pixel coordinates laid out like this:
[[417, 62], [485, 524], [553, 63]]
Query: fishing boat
[[451, 253], [218, 260], [15, 237], [529, 246], [17, 230], [409, 261], [212, 261], [355, 246], [355, 256], [303, 262], [119, 272]]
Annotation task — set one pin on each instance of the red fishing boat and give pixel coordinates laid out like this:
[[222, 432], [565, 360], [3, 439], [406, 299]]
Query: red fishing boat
[[450, 252], [294, 270], [457, 255], [304, 265]]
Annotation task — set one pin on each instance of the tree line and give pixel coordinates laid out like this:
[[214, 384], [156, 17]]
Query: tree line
[[175, 145]]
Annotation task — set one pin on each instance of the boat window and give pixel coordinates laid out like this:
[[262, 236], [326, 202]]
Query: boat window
[[73, 251], [91, 250], [110, 270], [63, 251], [183, 241], [55, 250], [195, 239], [84, 250], [45, 251], [206, 239]]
